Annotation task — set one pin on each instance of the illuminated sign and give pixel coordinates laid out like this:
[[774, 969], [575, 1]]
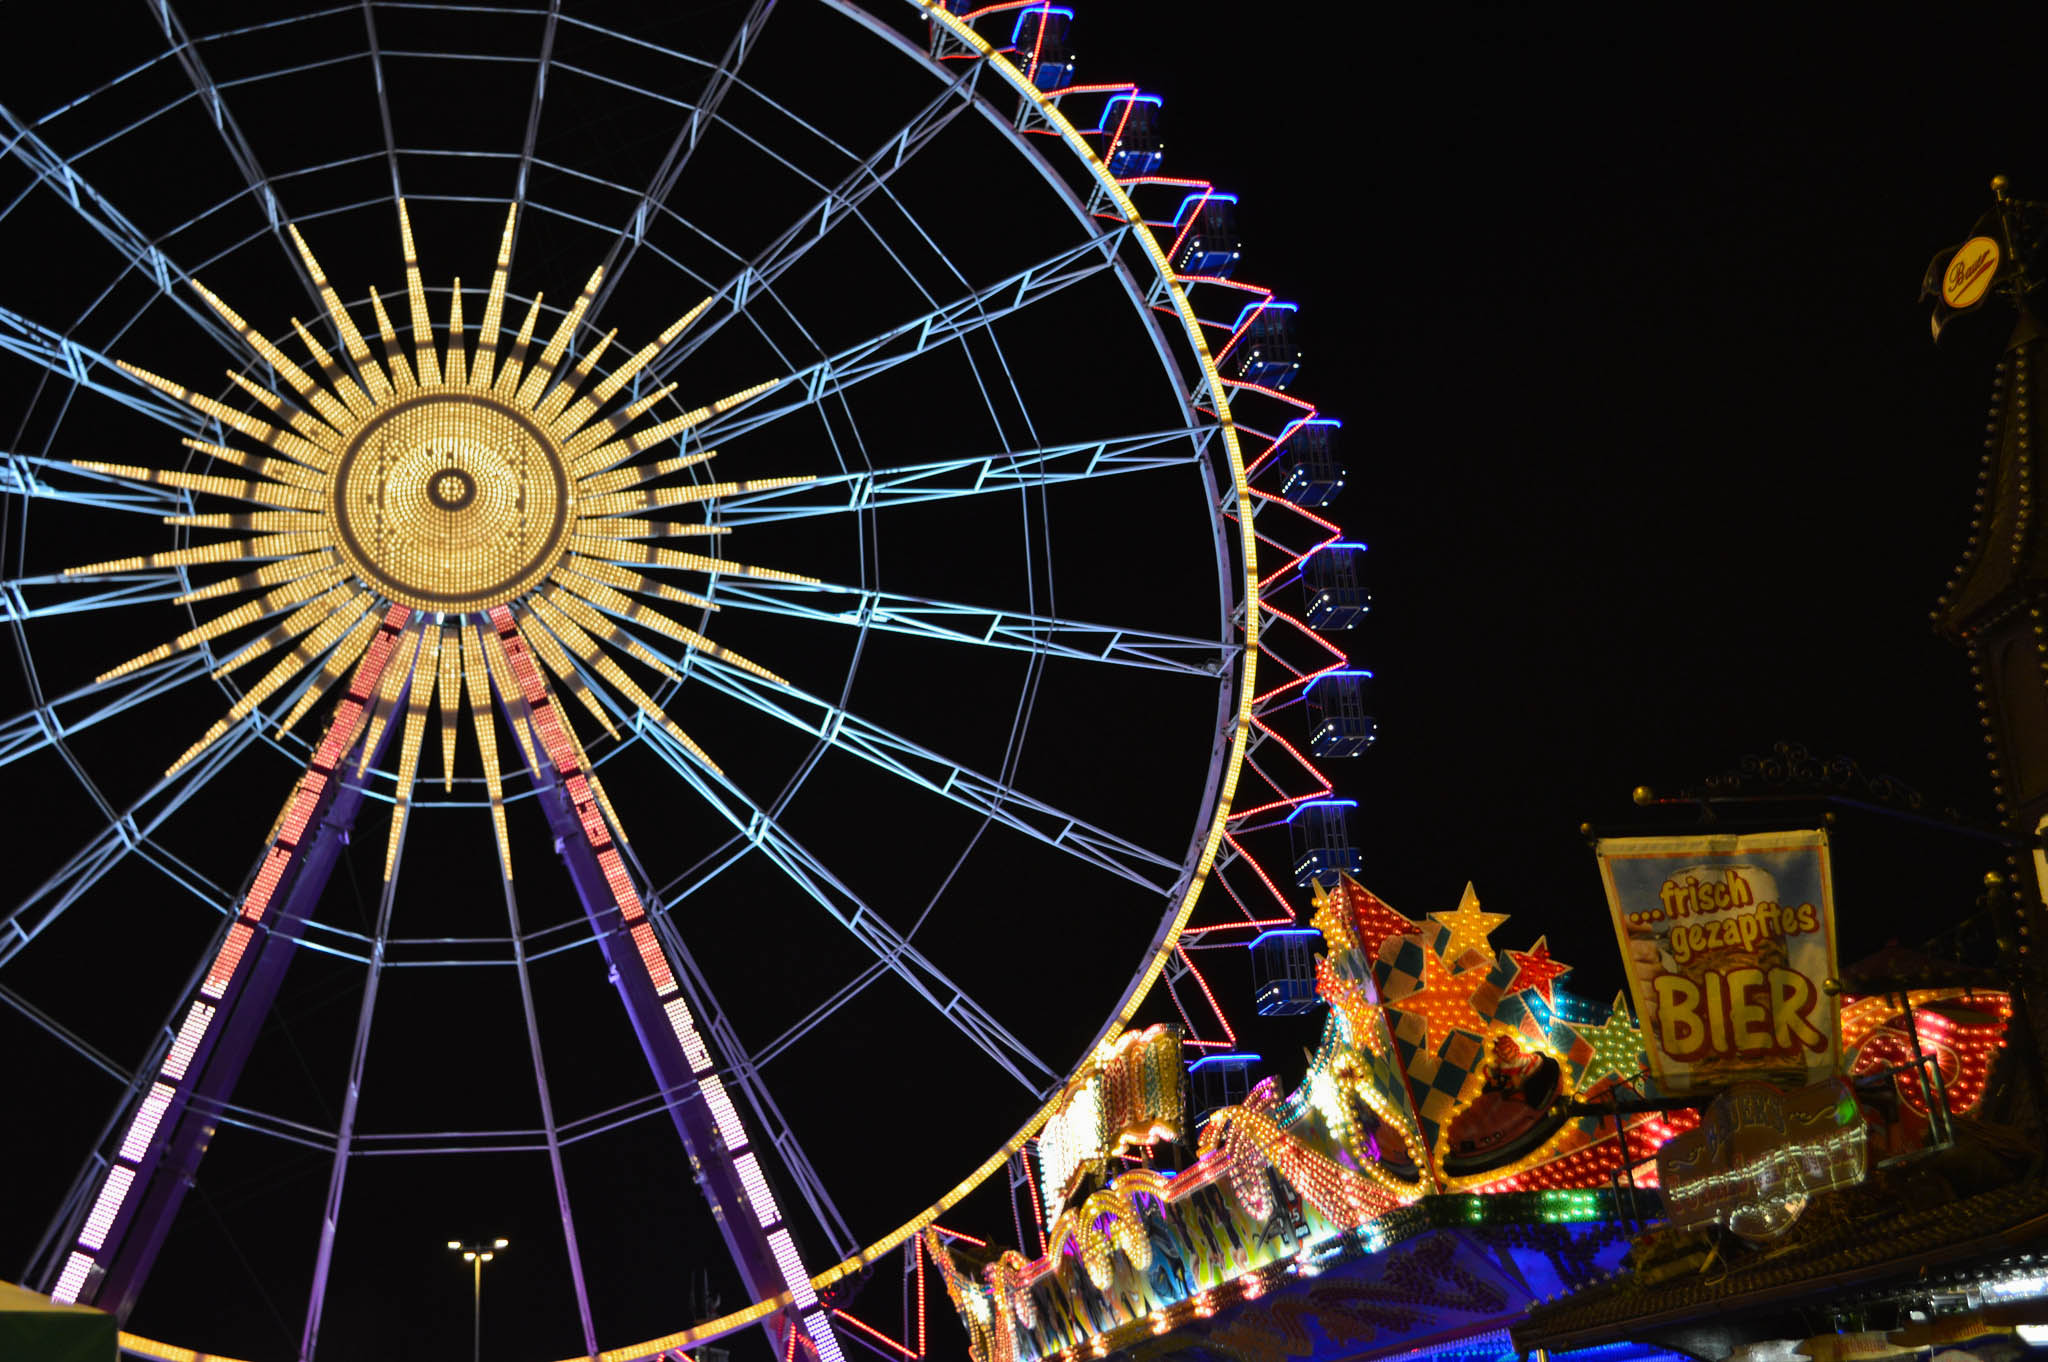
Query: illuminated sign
[[1728, 942], [1970, 272]]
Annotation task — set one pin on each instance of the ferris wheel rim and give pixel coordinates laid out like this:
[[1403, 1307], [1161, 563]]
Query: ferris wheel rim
[[1225, 768]]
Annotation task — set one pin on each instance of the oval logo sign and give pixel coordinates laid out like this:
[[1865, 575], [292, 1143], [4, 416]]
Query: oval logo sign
[[1969, 272]]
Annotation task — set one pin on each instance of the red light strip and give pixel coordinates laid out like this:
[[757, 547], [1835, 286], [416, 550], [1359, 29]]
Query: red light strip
[[1240, 926], [1044, 21], [1229, 1035], [1260, 871], [1194, 216], [956, 1234], [873, 1332], [1007, 5], [1244, 326], [1273, 393]]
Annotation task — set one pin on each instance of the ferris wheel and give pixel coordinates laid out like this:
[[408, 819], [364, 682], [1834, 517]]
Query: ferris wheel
[[704, 649]]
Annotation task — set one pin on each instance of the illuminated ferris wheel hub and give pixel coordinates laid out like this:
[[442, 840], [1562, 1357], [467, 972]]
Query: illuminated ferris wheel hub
[[451, 503]]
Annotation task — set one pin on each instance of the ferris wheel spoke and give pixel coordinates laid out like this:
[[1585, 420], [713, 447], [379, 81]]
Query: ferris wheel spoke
[[950, 322], [128, 833], [927, 770], [548, 1123], [384, 111], [627, 244], [769, 1121], [845, 907], [26, 475], [77, 710], [971, 476], [214, 105], [841, 202], [533, 107], [64, 179], [981, 626], [88, 368]]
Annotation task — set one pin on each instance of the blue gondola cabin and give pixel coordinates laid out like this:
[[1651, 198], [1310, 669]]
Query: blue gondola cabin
[[1038, 44], [1284, 971], [1311, 474], [1338, 725], [1131, 123], [1320, 831], [1205, 230], [1332, 587], [1266, 352]]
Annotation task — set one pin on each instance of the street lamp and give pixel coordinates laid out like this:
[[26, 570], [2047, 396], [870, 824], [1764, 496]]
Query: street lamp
[[476, 1255]]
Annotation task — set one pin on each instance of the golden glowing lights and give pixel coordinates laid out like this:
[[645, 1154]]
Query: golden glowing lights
[[450, 482]]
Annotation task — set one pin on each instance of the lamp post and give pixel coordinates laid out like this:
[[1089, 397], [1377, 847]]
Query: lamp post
[[476, 1255]]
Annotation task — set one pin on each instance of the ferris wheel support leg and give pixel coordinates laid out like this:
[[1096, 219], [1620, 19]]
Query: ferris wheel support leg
[[168, 1130], [760, 1241]]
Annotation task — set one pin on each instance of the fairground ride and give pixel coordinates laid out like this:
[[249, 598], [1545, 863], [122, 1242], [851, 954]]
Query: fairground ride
[[971, 643]]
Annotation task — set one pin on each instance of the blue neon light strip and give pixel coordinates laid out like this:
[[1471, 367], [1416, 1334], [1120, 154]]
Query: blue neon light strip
[[1321, 804], [1282, 931], [1250, 308], [1218, 1059], [1320, 675]]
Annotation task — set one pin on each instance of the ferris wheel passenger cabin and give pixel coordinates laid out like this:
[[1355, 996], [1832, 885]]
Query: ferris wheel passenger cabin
[[1311, 474], [1338, 725], [1038, 44], [1333, 586], [1320, 831], [1266, 351], [1205, 230], [1132, 123], [1284, 971]]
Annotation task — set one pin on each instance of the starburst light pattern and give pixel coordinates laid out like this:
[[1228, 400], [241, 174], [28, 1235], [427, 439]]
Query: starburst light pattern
[[451, 481]]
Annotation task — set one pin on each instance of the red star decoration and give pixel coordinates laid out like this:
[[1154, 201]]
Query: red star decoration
[[1372, 921], [1443, 1000], [1536, 969]]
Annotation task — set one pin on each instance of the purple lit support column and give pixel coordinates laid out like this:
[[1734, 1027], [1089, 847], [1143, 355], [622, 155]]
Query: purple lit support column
[[146, 1174], [760, 1242]]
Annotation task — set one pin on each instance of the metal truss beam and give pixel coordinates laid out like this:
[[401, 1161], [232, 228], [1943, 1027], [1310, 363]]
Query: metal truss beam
[[627, 243], [77, 710], [840, 203], [237, 145], [874, 932], [953, 321], [131, 832], [88, 368], [142, 254], [384, 109], [926, 769], [978, 626], [971, 476], [25, 475], [28, 598], [533, 107], [772, 1125]]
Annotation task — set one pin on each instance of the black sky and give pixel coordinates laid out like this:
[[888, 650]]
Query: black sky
[[1657, 463]]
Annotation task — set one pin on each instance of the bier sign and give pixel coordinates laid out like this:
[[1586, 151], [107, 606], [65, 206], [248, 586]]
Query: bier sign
[[1728, 943]]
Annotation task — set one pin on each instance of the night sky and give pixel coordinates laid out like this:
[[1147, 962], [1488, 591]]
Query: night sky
[[1656, 460]]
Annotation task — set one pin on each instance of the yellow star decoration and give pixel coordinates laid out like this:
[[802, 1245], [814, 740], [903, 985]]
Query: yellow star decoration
[[1442, 1000], [450, 482], [1470, 926], [1617, 1046]]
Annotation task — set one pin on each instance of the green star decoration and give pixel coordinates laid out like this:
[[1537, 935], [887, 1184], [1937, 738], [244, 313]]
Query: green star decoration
[[1617, 1046]]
